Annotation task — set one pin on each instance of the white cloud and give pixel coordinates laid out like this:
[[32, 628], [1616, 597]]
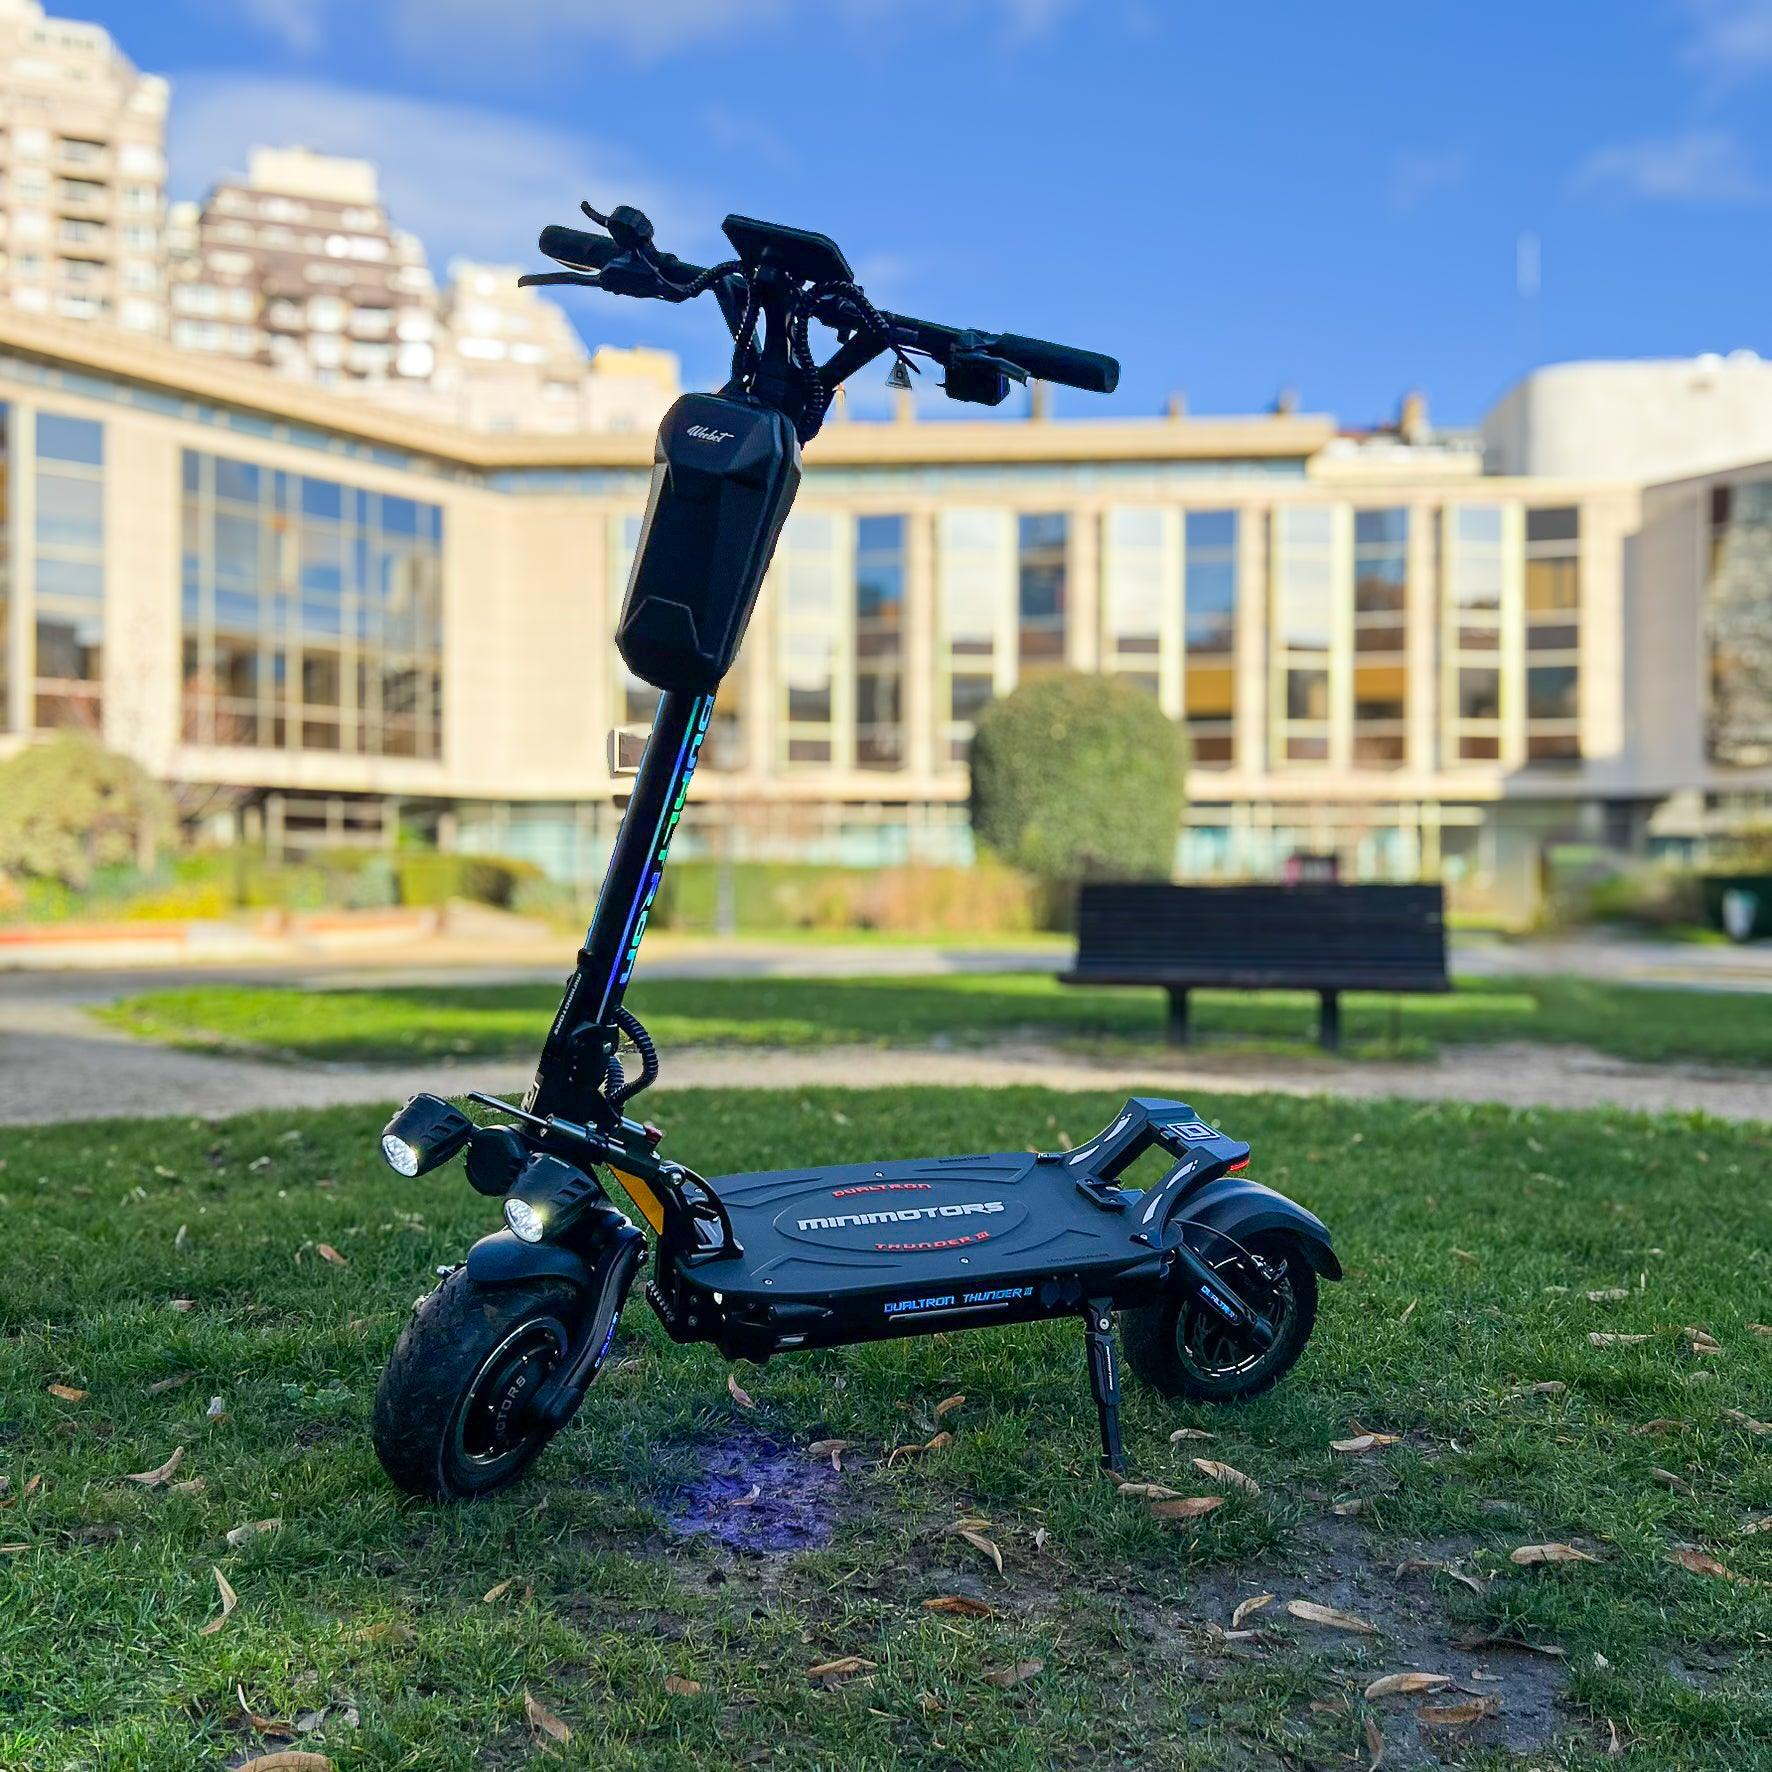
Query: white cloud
[[748, 138], [1416, 176], [469, 181], [1700, 166], [452, 32], [298, 25], [1731, 40]]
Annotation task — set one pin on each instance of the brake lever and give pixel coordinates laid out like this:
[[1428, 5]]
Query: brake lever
[[586, 279]]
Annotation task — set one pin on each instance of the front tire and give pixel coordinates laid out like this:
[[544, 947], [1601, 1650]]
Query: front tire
[[451, 1418], [1188, 1354]]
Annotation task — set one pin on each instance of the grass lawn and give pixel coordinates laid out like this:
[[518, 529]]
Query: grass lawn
[[1483, 1249], [1633, 1022]]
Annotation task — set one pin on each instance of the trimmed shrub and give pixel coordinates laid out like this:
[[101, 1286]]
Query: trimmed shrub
[[1078, 777], [69, 808]]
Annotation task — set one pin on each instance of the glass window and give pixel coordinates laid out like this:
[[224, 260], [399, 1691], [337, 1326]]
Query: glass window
[[1041, 576], [1553, 635], [5, 568], [1209, 634], [813, 613], [1305, 600], [1738, 626], [1381, 670], [1472, 636], [879, 642], [975, 565], [69, 564], [308, 624]]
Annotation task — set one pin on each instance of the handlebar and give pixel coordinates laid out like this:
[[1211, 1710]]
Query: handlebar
[[582, 251]]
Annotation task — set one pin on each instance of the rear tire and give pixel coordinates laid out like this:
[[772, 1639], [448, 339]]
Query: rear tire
[[1186, 1354], [450, 1413]]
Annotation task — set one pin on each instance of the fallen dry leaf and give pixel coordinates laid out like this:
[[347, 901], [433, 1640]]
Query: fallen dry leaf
[[1227, 1473], [933, 1445], [750, 1498], [1186, 1507], [1662, 1424], [1417, 1565], [1753, 1526], [1457, 1716], [740, 1396], [1190, 1433], [1347, 1509], [1374, 1739], [844, 1667], [1701, 1341], [948, 1404], [497, 1592], [1312, 1613], [1246, 1607], [160, 1474], [67, 1393], [831, 1449], [254, 1720], [1669, 1480], [161, 1385], [1145, 1491], [1700, 1564], [326, 1252], [239, 1536], [1391, 1684], [1608, 1295], [1408, 1312], [1747, 1422], [1609, 1338], [985, 1547], [1760, 1328], [1550, 1387], [1554, 1650], [182, 1304], [1528, 1554], [546, 1726], [229, 1600], [962, 1605], [288, 1760], [679, 1687], [13, 1549], [1013, 1676], [1363, 1442], [1465, 1255]]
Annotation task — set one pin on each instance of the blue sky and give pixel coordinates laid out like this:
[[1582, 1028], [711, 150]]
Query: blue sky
[[1233, 199]]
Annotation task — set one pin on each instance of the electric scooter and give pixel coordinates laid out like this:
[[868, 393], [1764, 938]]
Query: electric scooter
[[1215, 1276]]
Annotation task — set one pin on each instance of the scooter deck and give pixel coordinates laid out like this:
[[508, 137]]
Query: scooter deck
[[928, 1226]]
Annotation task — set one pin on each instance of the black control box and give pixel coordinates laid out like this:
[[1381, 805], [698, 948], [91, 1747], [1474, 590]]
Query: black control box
[[723, 478]]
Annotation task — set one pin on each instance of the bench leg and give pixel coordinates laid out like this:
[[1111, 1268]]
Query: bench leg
[[1178, 1029], [1329, 1021]]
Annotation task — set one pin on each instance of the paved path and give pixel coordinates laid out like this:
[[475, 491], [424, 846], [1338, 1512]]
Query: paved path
[[57, 1064]]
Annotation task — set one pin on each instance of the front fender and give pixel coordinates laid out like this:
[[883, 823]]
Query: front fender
[[503, 1257], [1242, 1209]]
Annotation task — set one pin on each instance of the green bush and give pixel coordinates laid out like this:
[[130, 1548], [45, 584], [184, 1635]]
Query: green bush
[[1078, 777], [1585, 886], [69, 808], [428, 877]]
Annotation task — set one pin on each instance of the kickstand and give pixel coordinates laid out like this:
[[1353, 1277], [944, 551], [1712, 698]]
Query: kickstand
[[1104, 1380]]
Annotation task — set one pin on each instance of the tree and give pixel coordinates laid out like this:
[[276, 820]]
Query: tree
[[69, 806], [1078, 777]]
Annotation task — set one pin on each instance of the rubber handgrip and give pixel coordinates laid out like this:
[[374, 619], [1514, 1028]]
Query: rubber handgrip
[[573, 246], [1060, 363]]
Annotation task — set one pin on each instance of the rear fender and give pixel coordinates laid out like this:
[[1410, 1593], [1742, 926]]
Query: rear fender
[[1243, 1209]]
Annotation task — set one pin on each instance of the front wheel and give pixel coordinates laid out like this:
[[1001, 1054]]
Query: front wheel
[[452, 1416], [1184, 1352]]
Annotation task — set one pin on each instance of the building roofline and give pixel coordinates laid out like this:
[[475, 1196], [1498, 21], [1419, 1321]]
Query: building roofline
[[85, 346]]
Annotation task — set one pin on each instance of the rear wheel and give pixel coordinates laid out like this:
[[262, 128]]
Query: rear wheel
[[452, 1412], [1184, 1352]]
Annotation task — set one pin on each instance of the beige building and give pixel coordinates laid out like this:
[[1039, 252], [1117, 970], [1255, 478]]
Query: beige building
[[297, 267], [344, 617], [82, 173]]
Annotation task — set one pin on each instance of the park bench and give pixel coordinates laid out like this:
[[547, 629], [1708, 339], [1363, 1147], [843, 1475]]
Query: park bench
[[1320, 937]]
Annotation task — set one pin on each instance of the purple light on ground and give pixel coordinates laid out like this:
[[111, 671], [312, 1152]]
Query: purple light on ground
[[793, 1510]]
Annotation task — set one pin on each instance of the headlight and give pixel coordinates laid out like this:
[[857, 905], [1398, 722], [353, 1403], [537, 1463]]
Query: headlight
[[525, 1222], [402, 1158], [426, 1132]]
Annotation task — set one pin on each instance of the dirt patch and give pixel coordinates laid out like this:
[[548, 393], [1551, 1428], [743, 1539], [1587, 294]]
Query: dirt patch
[[759, 1494]]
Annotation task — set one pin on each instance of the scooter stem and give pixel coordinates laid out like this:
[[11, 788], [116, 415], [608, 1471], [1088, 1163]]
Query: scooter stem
[[575, 1058]]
